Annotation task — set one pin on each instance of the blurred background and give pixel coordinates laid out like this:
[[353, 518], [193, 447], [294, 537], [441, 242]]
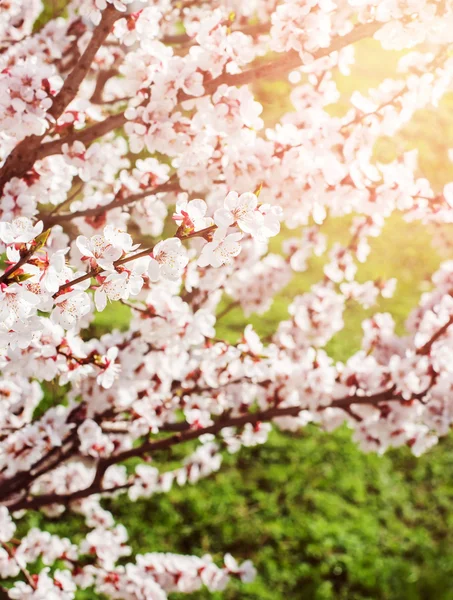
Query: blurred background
[[320, 519]]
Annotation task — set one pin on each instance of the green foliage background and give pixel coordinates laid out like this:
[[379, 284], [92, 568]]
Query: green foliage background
[[320, 519]]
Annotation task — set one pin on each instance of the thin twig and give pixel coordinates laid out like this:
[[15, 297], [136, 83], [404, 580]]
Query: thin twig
[[227, 309], [34, 247], [25, 572], [170, 186]]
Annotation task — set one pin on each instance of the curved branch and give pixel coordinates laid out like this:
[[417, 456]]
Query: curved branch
[[168, 186], [86, 136], [426, 348], [276, 67], [185, 434], [127, 259]]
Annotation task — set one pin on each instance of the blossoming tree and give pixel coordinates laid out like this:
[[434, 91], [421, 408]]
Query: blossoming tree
[[125, 121]]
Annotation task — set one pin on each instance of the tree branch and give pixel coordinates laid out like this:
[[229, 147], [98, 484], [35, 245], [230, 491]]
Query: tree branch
[[185, 434], [72, 83], [24, 155], [101, 81], [22, 568], [425, 349], [127, 259], [185, 40], [34, 247], [86, 136], [148, 447], [169, 186], [276, 67]]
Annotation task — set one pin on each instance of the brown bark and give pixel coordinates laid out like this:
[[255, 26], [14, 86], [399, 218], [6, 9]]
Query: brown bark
[[25, 154]]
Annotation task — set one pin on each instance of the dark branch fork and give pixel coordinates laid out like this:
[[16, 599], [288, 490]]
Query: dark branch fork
[[169, 186], [23, 157]]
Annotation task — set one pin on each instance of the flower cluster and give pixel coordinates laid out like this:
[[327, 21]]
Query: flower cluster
[[26, 91], [139, 167]]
